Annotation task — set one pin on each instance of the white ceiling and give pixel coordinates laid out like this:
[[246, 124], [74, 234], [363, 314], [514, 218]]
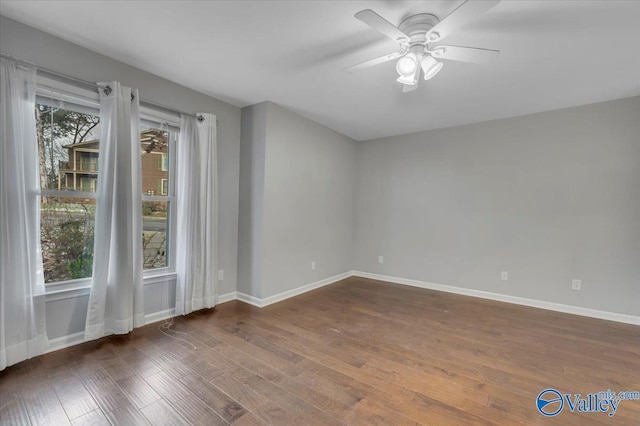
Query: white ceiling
[[554, 54]]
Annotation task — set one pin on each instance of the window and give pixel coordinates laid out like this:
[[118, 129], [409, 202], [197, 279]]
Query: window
[[164, 162], [68, 131], [88, 184], [164, 186], [88, 161], [158, 201], [68, 146]]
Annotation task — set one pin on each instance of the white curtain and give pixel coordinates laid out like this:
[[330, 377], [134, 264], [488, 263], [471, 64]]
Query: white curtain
[[22, 315], [116, 302], [196, 197]]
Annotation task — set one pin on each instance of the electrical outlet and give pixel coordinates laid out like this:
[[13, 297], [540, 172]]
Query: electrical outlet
[[221, 275], [313, 265], [380, 260], [504, 276], [576, 285]]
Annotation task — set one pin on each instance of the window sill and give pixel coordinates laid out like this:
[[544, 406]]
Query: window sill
[[82, 287], [154, 277], [66, 286], [67, 289]]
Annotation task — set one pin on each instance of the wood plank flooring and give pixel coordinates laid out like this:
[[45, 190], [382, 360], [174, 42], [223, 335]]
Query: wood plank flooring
[[358, 352]]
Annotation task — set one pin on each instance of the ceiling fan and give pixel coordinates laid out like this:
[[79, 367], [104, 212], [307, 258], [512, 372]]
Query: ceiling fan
[[416, 36]]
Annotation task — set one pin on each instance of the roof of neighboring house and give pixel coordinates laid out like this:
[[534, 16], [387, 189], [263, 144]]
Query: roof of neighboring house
[[146, 137], [82, 144]]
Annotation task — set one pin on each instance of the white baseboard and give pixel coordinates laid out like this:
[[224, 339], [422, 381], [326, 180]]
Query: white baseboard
[[551, 306], [247, 298], [65, 341], [159, 316], [77, 338], [227, 297], [261, 303]]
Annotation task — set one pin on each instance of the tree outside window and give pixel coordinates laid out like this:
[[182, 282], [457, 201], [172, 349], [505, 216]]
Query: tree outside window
[[69, 149]]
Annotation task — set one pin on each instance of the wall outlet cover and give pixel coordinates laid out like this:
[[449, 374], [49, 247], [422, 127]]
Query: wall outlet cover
[[576, 285]]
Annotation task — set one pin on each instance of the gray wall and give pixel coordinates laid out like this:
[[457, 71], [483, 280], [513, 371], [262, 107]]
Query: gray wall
[[296, 201], [547, 197], [308, 202], [26, 43], [252, 161]]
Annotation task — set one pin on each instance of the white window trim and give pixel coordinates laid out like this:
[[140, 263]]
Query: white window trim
[[67, 92], [160, 117], [81, 287], [171, 199]]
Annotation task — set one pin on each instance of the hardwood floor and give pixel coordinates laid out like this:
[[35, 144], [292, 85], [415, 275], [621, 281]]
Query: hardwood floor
[[356, 352]]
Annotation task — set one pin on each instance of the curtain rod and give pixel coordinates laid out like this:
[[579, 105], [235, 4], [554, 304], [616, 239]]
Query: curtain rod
[[91, 85]]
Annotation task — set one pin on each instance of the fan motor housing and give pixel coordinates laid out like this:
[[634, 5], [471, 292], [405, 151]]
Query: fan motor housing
[[416, 27]]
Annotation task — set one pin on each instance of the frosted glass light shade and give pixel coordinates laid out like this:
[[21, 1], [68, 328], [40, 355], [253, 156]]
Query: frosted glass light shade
[[430, 66]]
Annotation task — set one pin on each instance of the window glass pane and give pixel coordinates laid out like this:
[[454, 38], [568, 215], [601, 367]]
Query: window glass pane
[[68, 146], [88, 184], [154, 146], [66, 229], [155, 227]]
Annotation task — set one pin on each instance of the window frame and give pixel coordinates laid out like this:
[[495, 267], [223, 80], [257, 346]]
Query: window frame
[[163, 162], [164, 186], [170, 198], [62, 91]]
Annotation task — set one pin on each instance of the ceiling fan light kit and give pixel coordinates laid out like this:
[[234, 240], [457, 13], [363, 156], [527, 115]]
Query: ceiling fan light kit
[[407, 65], [408, 80], [430, 67], [415, 36]]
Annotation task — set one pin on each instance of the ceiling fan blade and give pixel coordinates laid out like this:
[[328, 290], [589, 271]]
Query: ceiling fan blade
[[465, 54], [459, 17], [377, 22], [375, 61]]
